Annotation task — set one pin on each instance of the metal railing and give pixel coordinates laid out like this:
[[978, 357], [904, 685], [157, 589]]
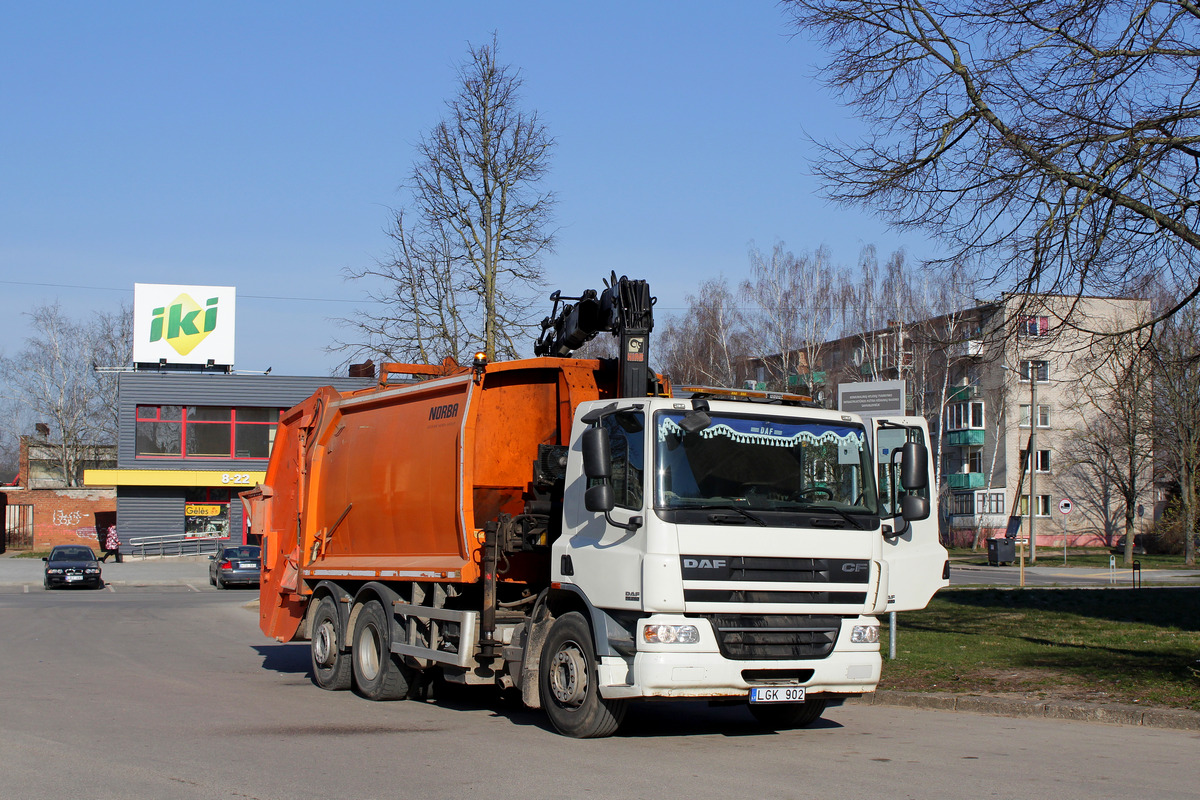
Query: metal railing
[[170, 545]]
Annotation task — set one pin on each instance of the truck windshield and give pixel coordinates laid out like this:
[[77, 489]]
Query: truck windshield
[[764, 464]]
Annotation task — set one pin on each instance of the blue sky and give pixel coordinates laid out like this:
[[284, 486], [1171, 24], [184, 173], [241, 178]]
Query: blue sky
[[260, 145]]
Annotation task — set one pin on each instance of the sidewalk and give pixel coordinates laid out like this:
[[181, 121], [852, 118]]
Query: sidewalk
[[177, 570]]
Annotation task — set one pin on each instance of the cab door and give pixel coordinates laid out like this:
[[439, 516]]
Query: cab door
[[914, 563]]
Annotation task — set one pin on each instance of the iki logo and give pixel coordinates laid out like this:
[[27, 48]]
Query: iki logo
[[183, 324]]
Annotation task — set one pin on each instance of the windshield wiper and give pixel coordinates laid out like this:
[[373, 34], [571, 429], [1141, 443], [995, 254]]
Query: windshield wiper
[[731, 507], [814, 509]]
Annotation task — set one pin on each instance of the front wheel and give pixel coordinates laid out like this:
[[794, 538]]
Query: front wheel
[[377, 673], [788, 715], [330, 663], [567, 682]]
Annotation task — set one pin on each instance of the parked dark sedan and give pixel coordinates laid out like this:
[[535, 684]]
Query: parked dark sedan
[[72, 565], [236, 563]]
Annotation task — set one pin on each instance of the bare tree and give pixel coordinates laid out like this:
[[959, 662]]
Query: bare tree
[[790, 312], [1057, 140], [1177, 375], [467, 257], [1113, 445], [706, 343], [56, 380]]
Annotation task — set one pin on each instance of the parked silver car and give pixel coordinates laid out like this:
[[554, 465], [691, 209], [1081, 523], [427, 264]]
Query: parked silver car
[[235, 564]]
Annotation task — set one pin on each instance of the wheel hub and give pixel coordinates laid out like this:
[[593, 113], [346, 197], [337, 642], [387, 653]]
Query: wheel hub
[[568, 675], [323, 646]]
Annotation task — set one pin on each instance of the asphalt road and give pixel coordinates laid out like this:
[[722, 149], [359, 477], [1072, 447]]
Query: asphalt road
[[170, 691], [1051, 572]]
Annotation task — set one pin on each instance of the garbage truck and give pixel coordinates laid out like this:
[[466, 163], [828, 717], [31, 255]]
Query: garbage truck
[[577, 531]]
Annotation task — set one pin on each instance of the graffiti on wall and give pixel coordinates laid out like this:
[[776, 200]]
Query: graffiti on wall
[[66, 519]]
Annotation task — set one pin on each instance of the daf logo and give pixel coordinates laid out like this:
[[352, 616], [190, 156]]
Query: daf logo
[[854, 567], [704, 563]]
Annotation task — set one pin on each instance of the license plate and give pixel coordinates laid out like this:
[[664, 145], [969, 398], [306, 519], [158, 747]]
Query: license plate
[[777, 694], [248, 565], [74, 577]]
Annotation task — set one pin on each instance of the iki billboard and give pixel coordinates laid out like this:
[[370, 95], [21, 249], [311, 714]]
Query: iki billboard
[[183, 324]]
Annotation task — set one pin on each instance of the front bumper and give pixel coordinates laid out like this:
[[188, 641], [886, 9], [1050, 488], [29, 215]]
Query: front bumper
[[700, 670]]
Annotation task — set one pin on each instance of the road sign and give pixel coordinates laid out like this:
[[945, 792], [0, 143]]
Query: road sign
[[1064, 506]]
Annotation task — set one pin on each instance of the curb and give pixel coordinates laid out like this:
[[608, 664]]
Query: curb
[[1119, 714]]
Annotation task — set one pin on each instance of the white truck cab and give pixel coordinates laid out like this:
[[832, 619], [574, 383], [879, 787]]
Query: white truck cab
[[732, 549]]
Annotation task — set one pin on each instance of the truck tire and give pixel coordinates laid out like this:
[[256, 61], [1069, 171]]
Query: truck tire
[[567, 681], [788, 715], [330, 663], [377, 673]]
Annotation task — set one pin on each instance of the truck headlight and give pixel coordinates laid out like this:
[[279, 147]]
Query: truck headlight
[[670, 634], [864, 634]]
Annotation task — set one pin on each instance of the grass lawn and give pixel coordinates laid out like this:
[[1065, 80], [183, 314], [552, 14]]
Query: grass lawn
[[1118, 645]]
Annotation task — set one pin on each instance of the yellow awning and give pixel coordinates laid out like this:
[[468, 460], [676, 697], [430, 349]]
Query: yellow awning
[[230, 479]]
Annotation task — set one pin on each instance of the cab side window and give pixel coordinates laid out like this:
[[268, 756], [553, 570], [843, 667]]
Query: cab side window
[[626, 437]]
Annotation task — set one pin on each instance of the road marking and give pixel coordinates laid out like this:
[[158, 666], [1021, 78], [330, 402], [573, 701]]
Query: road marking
[[193, 588]]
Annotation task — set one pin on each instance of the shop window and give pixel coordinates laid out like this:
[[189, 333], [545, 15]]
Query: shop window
[[206, 513], [205, 431]]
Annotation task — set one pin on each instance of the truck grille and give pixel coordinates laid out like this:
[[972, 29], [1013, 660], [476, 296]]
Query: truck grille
[[751, 637], [758, 568], [755, 596]]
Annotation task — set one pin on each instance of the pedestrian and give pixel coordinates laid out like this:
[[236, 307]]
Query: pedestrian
[[112, 544], [102, 539]]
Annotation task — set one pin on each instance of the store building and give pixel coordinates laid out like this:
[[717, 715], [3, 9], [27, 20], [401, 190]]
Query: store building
[[192, 432], [188, 442]]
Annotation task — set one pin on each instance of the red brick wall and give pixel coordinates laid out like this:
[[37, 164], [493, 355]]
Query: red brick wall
[[64, 516]]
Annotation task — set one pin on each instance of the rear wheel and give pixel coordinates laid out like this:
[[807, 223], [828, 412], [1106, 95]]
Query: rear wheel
[[377, 673], [569, 692], [788, 715], [330, 663]]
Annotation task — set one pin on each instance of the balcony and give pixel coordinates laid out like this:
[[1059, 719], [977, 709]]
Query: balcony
[[965, 438], [965, 480]]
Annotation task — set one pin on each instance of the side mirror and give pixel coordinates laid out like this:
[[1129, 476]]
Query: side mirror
[[914, 466], [45, 558], [600, 498], [914, 507], [597, 454]]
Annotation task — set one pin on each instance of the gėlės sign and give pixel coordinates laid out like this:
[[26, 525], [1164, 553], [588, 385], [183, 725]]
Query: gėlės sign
[[183, 324]]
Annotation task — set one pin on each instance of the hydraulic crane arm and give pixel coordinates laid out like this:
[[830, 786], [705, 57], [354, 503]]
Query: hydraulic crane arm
[[625, 309]]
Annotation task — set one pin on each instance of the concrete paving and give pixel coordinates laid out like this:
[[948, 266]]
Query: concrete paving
[[193, 571], [174, 570]]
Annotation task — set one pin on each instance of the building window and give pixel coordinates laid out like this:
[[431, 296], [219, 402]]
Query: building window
[[1043, 460], [1033, 326], [1043, 415], [962, 503], [975, 461], [206, 513], [205, 431], [1043, 505], [964, 416], [1040, 368], [995, 503]]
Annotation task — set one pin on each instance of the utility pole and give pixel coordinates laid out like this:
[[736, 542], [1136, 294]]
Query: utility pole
[[1034, 367]]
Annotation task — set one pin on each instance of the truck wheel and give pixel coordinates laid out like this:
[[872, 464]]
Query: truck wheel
[[568, 682], [330, 664], [378, 675], [788, 715]]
